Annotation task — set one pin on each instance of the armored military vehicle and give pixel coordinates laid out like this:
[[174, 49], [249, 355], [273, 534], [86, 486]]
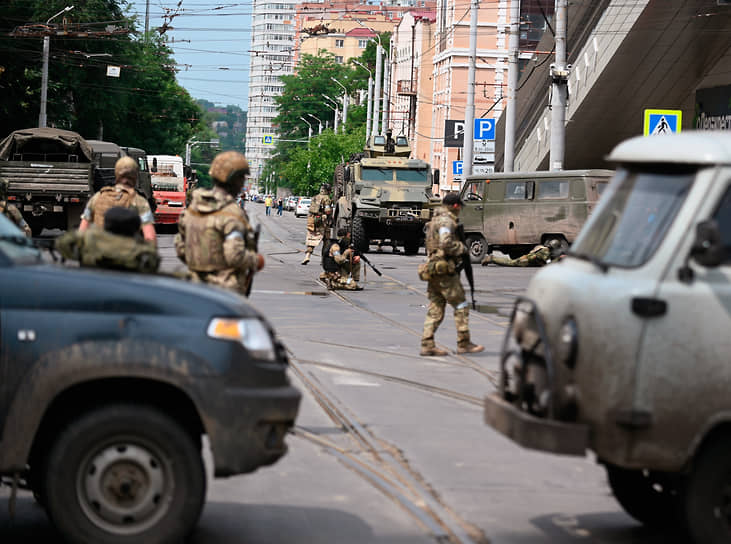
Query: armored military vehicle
[[383, 195]]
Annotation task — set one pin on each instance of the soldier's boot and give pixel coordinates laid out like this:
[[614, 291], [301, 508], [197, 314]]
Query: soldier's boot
[[432, 351], [307, 256], [470, 348], [487, 260]]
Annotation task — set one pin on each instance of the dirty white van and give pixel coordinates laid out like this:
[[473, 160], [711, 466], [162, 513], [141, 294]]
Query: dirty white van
[[624, 346]]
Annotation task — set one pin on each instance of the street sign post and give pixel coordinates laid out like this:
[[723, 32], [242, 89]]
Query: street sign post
[[484, 129], [268, 140]]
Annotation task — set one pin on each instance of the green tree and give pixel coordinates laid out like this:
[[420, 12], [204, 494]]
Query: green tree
[[144, 107]]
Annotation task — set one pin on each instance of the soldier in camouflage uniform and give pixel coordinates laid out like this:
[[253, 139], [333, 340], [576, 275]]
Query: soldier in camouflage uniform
[[214, 237], [10, 211], [341, 266], [122, 194], [538, 256], [444, 255], [117, 246], [318, 220]]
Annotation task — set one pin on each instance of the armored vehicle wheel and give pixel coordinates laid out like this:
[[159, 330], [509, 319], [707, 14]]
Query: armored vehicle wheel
[[411, 246], [561, 240], [707, 500], [643, 495], [477, 247], [124, 474], [360, 235]]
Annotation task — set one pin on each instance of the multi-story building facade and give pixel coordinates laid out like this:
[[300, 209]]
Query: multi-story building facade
[[412, 57], [272, 50]]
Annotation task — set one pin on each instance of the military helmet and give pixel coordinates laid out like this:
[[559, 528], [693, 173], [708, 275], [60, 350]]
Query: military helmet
[[450, 199], [122, 221], [325, 187], [126, 167], [228, 165], [554, 243]]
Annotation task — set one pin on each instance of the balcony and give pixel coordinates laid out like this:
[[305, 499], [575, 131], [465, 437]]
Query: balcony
[[406, 87]]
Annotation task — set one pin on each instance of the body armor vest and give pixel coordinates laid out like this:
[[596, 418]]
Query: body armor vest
[[328, 261], [110, 197]]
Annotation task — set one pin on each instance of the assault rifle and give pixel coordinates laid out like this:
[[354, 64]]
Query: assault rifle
[[365, 260], [252, 243], [466, 264]]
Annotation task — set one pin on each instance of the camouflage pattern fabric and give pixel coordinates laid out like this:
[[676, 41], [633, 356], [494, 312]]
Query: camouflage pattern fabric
[[212, 239], [98, 248], [12, 213], [118, 195], [344, 277], [318, 220], [538, 256], [442, 245]]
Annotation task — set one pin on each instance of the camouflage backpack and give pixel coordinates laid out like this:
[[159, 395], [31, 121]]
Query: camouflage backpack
[[110, 197], [101, 249]]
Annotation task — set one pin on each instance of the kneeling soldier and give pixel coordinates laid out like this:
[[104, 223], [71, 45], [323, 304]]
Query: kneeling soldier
[[341, 265]]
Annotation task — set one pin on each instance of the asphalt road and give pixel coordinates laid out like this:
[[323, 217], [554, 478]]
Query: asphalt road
[[389, 447]]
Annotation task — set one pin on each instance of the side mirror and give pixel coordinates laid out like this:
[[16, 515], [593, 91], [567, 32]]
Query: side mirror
[[436, 177], [708, 249]]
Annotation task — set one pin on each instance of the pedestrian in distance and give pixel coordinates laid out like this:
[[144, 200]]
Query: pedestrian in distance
[[538, 256], [123, 194], [280, 206], [318, 220], [214, 237], [268, 204], [10, 211], [445, 253]]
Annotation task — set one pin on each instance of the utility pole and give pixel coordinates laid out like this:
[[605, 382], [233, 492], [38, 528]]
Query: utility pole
[[386, 106], [511, 109], [559, 89], [469, 114], [147, 20], [44, 74], [370, 98], [377, 92]]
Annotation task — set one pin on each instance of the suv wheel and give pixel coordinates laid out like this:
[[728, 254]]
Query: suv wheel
[[124, 474]]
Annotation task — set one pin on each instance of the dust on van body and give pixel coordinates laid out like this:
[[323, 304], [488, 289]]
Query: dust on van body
[[513, 212]]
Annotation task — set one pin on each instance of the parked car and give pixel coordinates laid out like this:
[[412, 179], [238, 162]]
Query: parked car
[[111, 379], [291, 203], [303, 207]]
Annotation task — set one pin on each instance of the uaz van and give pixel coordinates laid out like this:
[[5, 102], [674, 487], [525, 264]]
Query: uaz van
[[513, 212], [624, 346]]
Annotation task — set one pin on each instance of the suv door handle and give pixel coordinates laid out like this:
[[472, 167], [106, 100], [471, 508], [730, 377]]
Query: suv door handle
[[649, 307]]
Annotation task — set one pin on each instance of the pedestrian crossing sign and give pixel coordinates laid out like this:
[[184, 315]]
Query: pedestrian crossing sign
[[268, 139], [662, 122]]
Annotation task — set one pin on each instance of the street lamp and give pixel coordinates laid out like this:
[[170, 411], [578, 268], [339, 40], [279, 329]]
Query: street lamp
[[345, 102], [370, 97], [319, 128], [309, 129], [336, 109], [44, 77], [191, 143]]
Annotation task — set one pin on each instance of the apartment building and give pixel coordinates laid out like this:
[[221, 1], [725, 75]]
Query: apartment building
[[272, 50]]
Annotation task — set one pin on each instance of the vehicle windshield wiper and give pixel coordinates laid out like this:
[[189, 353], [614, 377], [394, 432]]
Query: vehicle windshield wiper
[[593, 260], [17, 239]]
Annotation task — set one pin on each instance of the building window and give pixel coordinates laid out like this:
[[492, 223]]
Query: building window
[[339, 43], [339, 60], [362, 44]]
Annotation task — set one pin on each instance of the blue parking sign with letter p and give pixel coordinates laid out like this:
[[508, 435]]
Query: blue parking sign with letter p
[[484, 129], [457, 168]]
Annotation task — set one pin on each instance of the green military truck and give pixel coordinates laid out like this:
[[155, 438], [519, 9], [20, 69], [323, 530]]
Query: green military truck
[[51, 176], [383, 194]]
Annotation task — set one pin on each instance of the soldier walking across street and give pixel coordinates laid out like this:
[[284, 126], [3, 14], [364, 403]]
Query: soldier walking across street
[[441, 270], [122, 194], [538, 256], [214, 237], [10, 211], [318, 220], [340, 263]]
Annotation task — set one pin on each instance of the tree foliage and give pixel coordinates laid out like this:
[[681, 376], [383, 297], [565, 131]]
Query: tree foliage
[[145, 107]]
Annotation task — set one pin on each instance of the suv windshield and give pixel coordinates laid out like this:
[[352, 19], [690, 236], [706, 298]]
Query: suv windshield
[[633, 216], [403, 175], [15, 245]]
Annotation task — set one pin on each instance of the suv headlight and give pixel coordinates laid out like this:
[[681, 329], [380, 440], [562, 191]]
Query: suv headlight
[[568, 343], [251, 332]]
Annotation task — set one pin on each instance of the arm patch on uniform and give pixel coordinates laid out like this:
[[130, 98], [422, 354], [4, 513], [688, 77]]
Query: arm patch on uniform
[[444, 230], [233, 235]]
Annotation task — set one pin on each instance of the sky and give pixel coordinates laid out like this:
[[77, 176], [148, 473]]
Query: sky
[[211, 42]]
